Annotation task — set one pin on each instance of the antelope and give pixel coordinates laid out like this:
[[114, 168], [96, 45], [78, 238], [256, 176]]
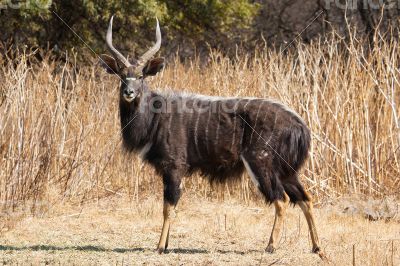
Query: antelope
[[179, 134]]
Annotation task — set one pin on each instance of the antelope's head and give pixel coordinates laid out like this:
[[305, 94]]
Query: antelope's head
[[132, 74]]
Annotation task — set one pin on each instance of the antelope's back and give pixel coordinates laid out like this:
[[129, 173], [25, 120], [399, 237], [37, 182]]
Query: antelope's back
[[209, 134]]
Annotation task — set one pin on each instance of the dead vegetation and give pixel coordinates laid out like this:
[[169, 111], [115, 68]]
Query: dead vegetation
[[60, 140], [60, 129]]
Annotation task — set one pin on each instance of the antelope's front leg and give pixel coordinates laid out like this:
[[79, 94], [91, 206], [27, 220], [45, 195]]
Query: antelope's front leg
[[172, 193]]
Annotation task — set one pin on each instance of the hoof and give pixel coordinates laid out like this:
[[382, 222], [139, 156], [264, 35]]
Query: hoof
[[270, 249], [160, 250], [316, 250], [321, 254]]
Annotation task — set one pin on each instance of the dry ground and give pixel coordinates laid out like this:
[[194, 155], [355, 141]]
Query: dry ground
[[116, 232]]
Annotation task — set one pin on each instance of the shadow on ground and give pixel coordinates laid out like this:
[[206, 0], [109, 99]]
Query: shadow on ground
[[90, 248]]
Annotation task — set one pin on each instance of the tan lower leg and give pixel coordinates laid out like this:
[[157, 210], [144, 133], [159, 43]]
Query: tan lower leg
[[166, 242], [306, 207], [167, 212], [280, 210]]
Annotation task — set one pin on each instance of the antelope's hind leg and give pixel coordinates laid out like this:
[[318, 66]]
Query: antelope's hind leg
[[272, 190], [280, 211], [172, 193], [307, 208]]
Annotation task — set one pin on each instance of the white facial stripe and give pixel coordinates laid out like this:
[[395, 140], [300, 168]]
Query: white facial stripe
[[131, 78]]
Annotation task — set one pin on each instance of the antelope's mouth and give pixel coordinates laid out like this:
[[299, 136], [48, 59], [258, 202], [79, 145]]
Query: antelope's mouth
[[130, 97]]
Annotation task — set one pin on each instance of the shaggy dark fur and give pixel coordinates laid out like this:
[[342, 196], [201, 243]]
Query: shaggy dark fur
[[180, 134], [214, 136]]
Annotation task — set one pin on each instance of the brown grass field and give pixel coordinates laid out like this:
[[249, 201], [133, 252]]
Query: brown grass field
[[118, 231], [69, 194]]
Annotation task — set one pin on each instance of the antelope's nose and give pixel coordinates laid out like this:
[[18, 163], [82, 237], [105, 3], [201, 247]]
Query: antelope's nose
[[128, 91], [130, 94]]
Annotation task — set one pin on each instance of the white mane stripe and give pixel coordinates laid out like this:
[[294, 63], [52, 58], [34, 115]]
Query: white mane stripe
[[173, 94]]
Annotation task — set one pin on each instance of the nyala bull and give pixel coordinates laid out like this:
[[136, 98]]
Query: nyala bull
[[179, 134]]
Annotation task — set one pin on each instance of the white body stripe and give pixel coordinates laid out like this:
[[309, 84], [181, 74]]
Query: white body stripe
[[255, 123], [250, 172], [196, 139], [217, 133], [145, 150], [248, 101], [208, 122], [234, 130]]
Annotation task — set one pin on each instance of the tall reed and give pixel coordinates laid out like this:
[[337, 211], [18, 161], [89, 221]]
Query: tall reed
[[60, 134]]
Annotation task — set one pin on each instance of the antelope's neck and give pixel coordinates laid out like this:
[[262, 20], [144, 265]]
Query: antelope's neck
[[136, 122]]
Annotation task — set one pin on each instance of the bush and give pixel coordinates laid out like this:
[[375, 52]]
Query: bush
[[44, 24]]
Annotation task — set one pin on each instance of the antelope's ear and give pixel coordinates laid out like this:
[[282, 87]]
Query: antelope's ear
[[153, 67], [109, 64]]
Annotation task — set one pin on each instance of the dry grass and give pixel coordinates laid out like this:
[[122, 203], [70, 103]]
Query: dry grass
[[118, 232], [60, 128], [60, 145]]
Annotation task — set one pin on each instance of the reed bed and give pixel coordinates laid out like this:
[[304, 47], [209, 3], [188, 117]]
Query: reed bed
[[60, 135]]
